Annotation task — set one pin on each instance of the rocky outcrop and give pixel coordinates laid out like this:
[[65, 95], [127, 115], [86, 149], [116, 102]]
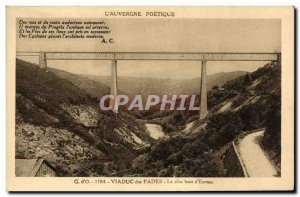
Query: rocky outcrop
[[86, 115], [60, 147]]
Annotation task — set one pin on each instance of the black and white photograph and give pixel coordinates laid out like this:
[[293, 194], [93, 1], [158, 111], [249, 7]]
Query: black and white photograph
[[148, 95]]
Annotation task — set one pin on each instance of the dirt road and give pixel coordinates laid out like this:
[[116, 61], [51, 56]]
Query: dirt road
[[254, 158]]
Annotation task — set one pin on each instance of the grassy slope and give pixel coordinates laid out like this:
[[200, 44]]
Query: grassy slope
[[194, 156], [93, 88], [40, 96]]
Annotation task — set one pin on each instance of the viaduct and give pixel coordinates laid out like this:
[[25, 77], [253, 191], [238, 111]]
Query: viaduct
[[202, 57]]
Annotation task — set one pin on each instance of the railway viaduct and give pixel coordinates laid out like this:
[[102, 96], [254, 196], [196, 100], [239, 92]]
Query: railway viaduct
[[201, 57]]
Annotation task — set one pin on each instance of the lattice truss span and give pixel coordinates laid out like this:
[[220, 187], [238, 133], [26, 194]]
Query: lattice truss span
[[153, 56]]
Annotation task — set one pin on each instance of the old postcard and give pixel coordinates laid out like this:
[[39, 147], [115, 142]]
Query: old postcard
[[150, 98]]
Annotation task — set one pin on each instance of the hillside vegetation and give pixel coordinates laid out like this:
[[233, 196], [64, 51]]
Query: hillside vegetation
[[61, 122], [254, 103], [58, 119]]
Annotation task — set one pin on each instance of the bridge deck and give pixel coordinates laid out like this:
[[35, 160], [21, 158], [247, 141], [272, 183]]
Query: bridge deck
[[156, 56]]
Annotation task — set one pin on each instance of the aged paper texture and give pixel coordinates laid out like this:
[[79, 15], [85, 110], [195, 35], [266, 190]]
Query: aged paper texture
[[150, 98]]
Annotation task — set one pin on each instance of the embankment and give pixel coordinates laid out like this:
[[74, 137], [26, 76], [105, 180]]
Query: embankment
[[233, 163]]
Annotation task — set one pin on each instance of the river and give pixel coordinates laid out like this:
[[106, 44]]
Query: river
[[155, 131]]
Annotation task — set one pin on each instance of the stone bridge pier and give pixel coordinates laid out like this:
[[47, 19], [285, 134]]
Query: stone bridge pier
[[203, 92], [203, 89], [113, 87], [42, 60]]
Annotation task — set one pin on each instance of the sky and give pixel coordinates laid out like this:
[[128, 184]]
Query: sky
[[171, 35]]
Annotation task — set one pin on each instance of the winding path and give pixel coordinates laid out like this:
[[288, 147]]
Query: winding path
[[254, 158]]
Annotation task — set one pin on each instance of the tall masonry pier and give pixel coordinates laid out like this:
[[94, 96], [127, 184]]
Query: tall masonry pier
[[113, 88], [203, 92], [42, 60]]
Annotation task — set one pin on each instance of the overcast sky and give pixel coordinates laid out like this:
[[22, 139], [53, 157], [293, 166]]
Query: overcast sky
[[172, 35]]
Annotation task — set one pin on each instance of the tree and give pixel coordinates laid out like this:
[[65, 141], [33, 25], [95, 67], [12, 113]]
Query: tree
[[215, 88]]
